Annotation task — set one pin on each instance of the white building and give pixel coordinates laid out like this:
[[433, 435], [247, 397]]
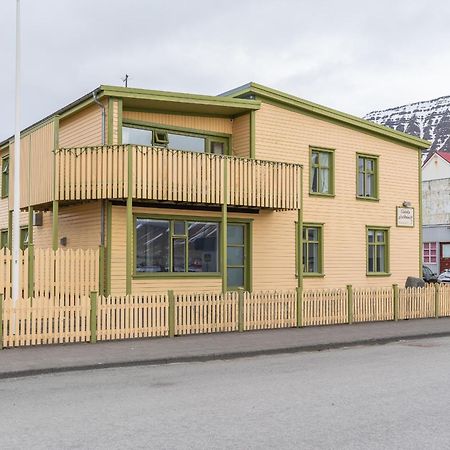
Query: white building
[[436, 211]]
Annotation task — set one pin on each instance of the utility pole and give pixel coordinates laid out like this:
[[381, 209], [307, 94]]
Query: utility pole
[[16, 186], [125, 80]]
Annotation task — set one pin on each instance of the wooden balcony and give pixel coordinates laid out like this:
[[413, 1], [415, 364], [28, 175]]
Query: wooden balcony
[[177, 176]]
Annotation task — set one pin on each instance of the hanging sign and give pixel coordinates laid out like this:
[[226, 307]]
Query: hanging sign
[[405, 217]]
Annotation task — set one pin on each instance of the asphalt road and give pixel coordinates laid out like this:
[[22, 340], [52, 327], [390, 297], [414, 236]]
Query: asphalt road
[[391, 396]]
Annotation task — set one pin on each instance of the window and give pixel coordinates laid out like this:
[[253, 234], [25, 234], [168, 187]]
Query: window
[[160, 137], [186, 143], [312, 249], [429, 252], [377, 251], [5, 176], [175, 140], [367, 177], [23, 238], [137, 136], [3, 239], [321, 175], [176, 246]]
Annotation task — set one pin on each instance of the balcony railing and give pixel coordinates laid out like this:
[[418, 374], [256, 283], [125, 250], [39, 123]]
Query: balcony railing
[[177, 176]]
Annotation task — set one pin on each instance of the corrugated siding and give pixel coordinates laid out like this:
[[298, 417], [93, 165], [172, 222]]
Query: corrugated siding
[[241, 136], [285, 135], [83, 128], [3, 213], [36, 166], [213, 124], [116, 122], [79, 223]]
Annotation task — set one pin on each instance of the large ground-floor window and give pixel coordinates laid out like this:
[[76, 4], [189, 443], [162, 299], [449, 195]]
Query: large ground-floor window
[[176, 246]]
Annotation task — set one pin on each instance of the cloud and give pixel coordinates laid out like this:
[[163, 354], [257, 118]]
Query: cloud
[[350, 55]]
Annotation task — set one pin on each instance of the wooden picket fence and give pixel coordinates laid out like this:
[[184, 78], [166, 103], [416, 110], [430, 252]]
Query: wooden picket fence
[[46, 320], [77, 317], [132, 316], [264, 310], [205, 313], [45, 272], [324, 307], [373, 304]]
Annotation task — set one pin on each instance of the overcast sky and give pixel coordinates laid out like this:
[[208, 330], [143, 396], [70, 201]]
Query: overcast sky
[[355, 56]]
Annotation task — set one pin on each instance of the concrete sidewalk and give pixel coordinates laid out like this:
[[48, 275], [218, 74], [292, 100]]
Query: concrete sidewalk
[[27, 361]]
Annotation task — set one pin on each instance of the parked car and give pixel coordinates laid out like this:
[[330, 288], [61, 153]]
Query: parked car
[[428, 275], [444, 277]]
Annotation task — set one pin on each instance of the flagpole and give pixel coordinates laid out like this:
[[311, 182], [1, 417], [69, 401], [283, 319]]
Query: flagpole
[[16, 186]]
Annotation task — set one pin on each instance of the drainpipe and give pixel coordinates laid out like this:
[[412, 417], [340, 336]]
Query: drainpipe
[[102, 106], [103, 208]]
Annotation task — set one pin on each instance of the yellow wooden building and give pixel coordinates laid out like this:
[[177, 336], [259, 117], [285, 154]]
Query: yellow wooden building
[[203, 193]]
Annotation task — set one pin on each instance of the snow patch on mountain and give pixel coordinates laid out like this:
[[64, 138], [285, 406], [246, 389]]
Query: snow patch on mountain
[[428, 120]]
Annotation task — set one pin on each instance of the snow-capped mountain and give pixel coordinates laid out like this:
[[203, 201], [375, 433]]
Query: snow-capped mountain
[[429, 120]]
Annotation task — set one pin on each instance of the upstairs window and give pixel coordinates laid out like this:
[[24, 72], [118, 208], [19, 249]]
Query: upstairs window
[[137, 136], [5, 176], [175, 140], [186, 143], [321, 173], [367, 177]]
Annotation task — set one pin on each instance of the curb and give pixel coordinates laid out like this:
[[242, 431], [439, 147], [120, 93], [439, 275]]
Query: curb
[[220, 356]]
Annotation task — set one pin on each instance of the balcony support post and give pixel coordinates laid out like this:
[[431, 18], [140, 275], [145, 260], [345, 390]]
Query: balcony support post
[[55, 225], [55, 205], [300, 253], [129, 212], [223, 235]]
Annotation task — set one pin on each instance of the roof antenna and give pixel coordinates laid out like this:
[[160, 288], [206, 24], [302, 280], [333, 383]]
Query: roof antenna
[[125, 80]]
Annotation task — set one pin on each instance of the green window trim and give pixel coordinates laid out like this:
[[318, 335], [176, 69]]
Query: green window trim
[[24, 238], [319, 168], [376, 245], [173, 217], [160, 134], [175, 235], [320, 238], [366, 172], [245, 246], [5, 176], [4, 241]]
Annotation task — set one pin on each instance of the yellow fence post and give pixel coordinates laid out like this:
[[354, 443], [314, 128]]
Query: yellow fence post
[[396, 298], [171, 297], [1, 321], [437, 313], [240, 310], [93, 317], [349, 304], [299, 291]]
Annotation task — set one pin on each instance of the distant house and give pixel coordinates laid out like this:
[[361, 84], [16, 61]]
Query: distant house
[[436, 211], [436, 167]]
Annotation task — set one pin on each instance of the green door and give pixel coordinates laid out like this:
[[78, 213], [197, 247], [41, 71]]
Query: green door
[[237, 256]]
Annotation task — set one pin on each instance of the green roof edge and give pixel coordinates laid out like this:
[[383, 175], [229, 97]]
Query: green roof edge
[[320, 110]]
